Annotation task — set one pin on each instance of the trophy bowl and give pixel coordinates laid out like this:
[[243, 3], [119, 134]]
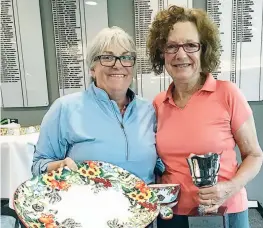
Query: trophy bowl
[[204, 171]]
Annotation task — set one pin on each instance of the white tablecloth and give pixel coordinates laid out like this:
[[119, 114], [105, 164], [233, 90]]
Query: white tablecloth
[[16, 160]]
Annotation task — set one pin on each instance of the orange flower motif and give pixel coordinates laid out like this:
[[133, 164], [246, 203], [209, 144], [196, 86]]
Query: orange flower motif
[[46, 219], [91, 164], [144, 189], [50, 225], [54, 184], [139, 185], [63, 185]]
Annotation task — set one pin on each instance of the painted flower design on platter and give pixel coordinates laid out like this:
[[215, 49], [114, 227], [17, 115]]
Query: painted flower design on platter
[[33, 199]]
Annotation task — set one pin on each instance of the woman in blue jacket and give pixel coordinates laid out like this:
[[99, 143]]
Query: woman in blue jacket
[[107, 122]]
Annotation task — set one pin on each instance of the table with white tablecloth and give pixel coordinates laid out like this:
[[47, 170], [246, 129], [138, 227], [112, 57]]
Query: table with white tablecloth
[[16, 160]]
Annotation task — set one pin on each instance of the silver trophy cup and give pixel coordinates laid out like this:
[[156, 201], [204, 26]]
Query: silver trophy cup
[[204, 171]]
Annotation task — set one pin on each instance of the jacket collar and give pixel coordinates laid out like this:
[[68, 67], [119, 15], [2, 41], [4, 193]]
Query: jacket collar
[[102, 95]]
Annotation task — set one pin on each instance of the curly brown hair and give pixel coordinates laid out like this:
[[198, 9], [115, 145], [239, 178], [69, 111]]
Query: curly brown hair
[[163, 23]]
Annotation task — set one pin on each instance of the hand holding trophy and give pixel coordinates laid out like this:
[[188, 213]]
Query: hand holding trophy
[[204, 171]]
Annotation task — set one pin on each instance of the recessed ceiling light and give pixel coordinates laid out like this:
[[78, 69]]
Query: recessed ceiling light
[[91, 3]]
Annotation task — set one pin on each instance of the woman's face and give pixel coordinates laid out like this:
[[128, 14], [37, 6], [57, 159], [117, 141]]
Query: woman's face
[[116, 78], [183, 66]]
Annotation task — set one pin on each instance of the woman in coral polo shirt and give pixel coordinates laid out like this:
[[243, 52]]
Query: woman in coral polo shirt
[[199, 114]]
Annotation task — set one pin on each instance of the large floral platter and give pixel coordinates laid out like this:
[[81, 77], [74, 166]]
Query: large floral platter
[[97, 195]]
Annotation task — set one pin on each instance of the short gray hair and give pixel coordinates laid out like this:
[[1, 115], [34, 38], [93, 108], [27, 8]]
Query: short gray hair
[[107, 37]]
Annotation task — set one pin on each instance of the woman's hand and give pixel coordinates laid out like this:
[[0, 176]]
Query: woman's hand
[[55, 165], [216, 195], [68, 162]]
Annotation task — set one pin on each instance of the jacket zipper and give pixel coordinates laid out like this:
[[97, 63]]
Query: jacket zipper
[[123, 130]]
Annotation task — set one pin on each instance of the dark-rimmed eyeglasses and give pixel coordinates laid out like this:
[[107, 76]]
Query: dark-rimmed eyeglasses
[[188, 47], [110, 60]]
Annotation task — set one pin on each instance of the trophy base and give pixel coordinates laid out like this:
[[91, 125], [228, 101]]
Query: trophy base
[[218, 219]]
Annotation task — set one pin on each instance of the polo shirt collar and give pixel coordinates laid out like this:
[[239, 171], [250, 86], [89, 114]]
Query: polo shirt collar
[[210, 86]]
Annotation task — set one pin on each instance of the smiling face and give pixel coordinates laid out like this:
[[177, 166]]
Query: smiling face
[[113, 79], [183, 66]]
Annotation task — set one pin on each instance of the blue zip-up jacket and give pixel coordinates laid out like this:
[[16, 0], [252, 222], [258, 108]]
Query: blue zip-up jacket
[[89, 126]]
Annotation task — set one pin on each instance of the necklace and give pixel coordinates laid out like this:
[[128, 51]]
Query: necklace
[[122, 110]]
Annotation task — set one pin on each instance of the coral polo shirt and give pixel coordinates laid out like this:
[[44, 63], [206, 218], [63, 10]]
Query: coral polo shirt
[[205, 124]]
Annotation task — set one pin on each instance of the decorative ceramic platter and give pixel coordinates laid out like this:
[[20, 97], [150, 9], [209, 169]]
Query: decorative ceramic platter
[[97, 195]]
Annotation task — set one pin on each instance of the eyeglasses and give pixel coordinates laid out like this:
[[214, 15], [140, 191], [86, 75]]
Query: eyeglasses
[[188, 47], [110, 60]]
